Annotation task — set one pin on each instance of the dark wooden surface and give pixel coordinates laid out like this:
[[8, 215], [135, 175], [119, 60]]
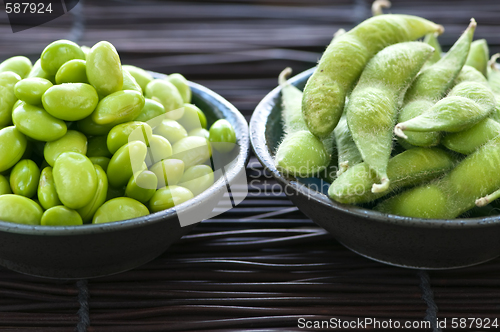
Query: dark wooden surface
[[263, 265]]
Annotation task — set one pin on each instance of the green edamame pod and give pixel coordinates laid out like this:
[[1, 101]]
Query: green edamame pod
[[73, 71], [494, 83], [141, 76], [8, 80], [58, 53], [75, 179], [129, 82], [300, 153], [104, 69], [343, 61], [181, 83], [19, 209], [24, 178], [118, 107], [431, 39], [72, 141], [467, 141], [47, 193], [31, 90], [151, 110], [470, 74], [20, 65], [142, 186], [494, 74], [456, 193], [432, 83], [61, 216], [372, 108], [426, 201], [118, 209], [406, 169], [166, 94], [88, 211], [466, 104], [125, 161], [291, 98], [13, 148], [348, 153], [479, 55], [168, 197], [36, 123], [4, 186]]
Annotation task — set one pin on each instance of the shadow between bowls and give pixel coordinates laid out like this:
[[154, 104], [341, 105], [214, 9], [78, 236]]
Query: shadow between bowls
[[401, 241], [69, 252]]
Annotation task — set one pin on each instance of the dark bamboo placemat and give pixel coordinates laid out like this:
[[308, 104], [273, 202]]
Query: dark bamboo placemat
[[263, 265]]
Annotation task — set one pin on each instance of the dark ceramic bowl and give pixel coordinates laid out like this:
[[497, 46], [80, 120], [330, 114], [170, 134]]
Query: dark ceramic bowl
[[396, 240], [98, 250]]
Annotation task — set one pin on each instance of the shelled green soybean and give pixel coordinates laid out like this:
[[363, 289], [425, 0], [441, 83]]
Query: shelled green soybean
[[84, 139]]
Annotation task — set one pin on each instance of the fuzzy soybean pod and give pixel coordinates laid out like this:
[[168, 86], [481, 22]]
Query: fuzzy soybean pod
[[406, 169], [348, 153], [466, 104], [494, 74], [479, 55], [344, 59], [467, 141], [456, 193], [431, 39], [431, 84], [470, 74], [300, 153], [372, 108], [494, 83]]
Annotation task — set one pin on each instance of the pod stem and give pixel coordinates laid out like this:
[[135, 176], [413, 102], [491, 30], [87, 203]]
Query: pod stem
[[282, 78], [383, 186], [493, 61], [398, 130], [343, 166], [378, 5], [339, 33], [488, 198]]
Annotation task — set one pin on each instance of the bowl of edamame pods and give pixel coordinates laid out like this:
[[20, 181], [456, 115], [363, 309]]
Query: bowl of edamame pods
[[392, 147], [104, 166]]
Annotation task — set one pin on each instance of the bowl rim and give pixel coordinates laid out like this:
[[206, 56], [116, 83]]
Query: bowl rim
[[258, 125], [243, 141]]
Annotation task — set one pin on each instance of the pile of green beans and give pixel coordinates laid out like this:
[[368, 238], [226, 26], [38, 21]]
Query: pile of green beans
[[84, 139], [416, 133]]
